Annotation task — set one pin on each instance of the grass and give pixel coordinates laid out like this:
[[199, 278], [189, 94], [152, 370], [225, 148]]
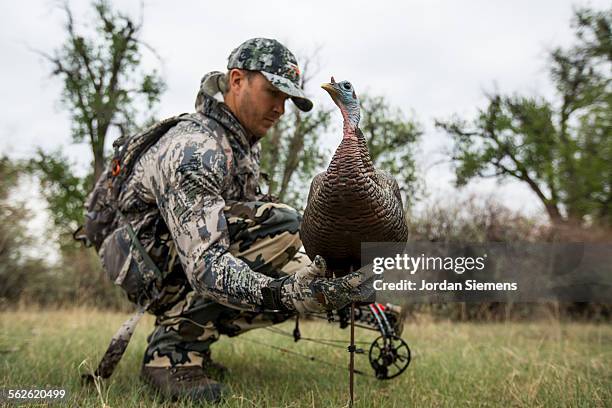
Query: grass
[[548, 364]]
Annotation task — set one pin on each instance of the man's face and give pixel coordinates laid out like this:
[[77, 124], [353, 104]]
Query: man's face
[[258, 104]]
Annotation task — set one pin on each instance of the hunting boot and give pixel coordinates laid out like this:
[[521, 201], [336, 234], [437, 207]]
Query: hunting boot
[[212, 369], [190, 382]]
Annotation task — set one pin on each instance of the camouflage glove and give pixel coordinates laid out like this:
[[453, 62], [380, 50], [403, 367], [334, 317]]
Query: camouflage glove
[[308, 290]]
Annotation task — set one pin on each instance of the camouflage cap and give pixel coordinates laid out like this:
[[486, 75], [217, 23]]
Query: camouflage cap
[[276, 63]]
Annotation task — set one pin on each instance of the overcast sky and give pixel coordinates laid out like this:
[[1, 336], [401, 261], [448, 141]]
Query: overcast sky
[[430, 58]]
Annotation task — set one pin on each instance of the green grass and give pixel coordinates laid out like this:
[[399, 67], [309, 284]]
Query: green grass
[[519, 364]]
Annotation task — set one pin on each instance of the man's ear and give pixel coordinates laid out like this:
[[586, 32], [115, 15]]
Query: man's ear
[[236, 79]]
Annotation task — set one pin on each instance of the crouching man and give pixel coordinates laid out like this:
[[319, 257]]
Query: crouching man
[[225, 257]]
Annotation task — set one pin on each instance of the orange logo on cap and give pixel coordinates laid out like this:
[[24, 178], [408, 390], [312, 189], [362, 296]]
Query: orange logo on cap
[[295, 68]]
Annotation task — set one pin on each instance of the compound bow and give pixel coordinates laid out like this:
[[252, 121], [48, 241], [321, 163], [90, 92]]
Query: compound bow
[[388, 355]]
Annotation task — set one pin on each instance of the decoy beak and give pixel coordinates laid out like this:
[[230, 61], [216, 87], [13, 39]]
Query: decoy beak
[[329, 87]]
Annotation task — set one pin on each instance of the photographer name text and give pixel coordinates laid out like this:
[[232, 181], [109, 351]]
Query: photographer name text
[[423, 285]]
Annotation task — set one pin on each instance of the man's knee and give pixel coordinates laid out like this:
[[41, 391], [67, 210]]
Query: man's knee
[[254, 220], [281, 216], [265, 235]]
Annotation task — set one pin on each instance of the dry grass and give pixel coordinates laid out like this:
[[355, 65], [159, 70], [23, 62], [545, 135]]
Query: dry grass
[[518, 364]]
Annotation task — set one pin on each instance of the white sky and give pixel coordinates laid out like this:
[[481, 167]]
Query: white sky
[[432, 58]]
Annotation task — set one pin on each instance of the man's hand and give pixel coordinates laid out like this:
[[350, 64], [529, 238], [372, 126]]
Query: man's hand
[[309, 291]]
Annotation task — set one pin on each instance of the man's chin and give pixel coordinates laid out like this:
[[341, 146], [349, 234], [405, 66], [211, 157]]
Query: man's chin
[[261, 132]]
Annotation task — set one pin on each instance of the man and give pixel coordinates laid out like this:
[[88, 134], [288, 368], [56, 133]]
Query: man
[[229, 257]]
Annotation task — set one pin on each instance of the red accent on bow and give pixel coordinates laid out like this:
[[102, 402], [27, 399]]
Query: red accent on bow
[[116, 168]]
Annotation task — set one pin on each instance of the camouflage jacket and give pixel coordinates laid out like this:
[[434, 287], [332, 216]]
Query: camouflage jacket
[[179, 188]]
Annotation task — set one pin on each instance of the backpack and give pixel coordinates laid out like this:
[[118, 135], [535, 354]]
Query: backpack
[[102, 215], [103, 218]]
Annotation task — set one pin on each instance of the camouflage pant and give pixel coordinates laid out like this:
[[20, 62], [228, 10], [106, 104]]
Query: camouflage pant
[[266, 237]]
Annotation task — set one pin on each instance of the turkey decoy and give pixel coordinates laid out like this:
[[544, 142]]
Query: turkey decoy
[[351, 202]]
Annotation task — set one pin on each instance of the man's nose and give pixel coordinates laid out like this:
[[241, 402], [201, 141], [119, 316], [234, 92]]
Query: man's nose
[[279, 107]]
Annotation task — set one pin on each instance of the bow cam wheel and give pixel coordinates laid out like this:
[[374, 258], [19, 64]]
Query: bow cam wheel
[[389, 357]]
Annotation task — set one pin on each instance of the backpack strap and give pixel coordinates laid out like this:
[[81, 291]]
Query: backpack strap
[[143, 252], [190, 118]]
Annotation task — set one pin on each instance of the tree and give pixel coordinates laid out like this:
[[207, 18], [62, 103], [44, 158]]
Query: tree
[[16, 270], [291, 155], [561, 149], [391, 141], [64, 191], [103, 86], [101, 79], [12, 237]]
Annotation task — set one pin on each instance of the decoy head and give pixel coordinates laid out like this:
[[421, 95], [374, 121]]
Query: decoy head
[[343, 95]]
